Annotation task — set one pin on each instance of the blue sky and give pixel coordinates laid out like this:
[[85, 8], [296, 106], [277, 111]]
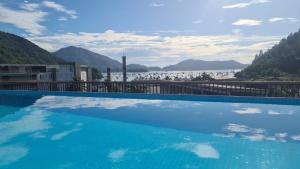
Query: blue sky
[[154, 32]]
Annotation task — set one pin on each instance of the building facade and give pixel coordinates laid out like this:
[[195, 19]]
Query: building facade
[[39, 72]]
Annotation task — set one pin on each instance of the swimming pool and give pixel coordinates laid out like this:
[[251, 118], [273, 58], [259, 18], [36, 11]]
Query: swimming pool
[[61, 132]]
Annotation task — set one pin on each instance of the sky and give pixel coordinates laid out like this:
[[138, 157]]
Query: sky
[[154, 32]]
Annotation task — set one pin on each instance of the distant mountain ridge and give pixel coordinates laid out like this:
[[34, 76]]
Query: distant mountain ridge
[[101, 62], [86, 57], [137, 68], [17, 50], [193, 65]]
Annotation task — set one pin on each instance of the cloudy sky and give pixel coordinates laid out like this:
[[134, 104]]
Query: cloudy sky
[[154, 32]]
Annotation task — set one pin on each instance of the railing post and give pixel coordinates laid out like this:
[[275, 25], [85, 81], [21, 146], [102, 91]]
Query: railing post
[[268, 90]]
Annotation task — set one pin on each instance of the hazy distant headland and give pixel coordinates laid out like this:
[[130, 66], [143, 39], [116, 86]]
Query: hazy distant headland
[[193, 65]]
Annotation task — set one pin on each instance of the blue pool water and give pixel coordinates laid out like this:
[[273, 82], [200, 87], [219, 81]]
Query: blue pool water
[[62, 132]]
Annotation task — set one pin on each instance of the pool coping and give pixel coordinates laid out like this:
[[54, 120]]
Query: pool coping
[[204, 98]]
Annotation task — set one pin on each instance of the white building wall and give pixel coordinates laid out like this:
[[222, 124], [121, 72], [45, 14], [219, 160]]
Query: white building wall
[[83, 76]]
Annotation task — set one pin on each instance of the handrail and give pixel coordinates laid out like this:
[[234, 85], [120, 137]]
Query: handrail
[[229, 88], [162, 82]]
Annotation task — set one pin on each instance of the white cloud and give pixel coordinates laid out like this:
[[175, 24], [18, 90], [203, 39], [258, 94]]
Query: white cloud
[[63, 134], [197, 21], [200, 150], [30, 6], [283, 20], [11, 153], [276, 19], [296, 138], [168, 49], [60, 8], [254, 137], [245, 4], [157, 4], [62, 18], [248, 111], [281, 135], [230, 135], [33, 122], [117, 155], [273, 112], [247, 22], [38, 135], [253, 134], [53, 102], [29, 21], [30, 16], [238, 128]]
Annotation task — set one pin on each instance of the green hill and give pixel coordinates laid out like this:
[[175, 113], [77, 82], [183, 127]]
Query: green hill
[[17, 50], [101, 62], [280, 62], [86, 57]]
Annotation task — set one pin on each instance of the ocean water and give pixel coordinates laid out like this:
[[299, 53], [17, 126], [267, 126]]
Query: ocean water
[[173, 75], [58, 132]]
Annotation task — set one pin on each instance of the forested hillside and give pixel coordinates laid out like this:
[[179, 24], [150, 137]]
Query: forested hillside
[[282, 61], [17, 50]]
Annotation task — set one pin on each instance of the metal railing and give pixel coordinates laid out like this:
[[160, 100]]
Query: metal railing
[[228, 88]]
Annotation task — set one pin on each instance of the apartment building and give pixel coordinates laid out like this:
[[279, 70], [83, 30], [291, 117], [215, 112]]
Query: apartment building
[[40, 72]]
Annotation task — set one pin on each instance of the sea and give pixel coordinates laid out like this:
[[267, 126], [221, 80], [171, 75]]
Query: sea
[[172, 75]]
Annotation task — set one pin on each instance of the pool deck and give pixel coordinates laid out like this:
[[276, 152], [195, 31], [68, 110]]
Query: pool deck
[[203, 98]]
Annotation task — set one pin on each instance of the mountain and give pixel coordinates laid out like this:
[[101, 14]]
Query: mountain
[[101, 62], [137, 68], [281, 61], [154, 68], [142, 68], [86, 57], [17, 50], [190, 65]]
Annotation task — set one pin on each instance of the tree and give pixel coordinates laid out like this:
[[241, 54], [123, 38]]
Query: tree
[[203, 77], [281, 61], [168, 78], [96, 74]]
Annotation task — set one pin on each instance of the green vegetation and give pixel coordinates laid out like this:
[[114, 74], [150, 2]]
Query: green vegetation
[[168, 78], [282, 62], [96, 74], [17, 50], [203, 77]]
